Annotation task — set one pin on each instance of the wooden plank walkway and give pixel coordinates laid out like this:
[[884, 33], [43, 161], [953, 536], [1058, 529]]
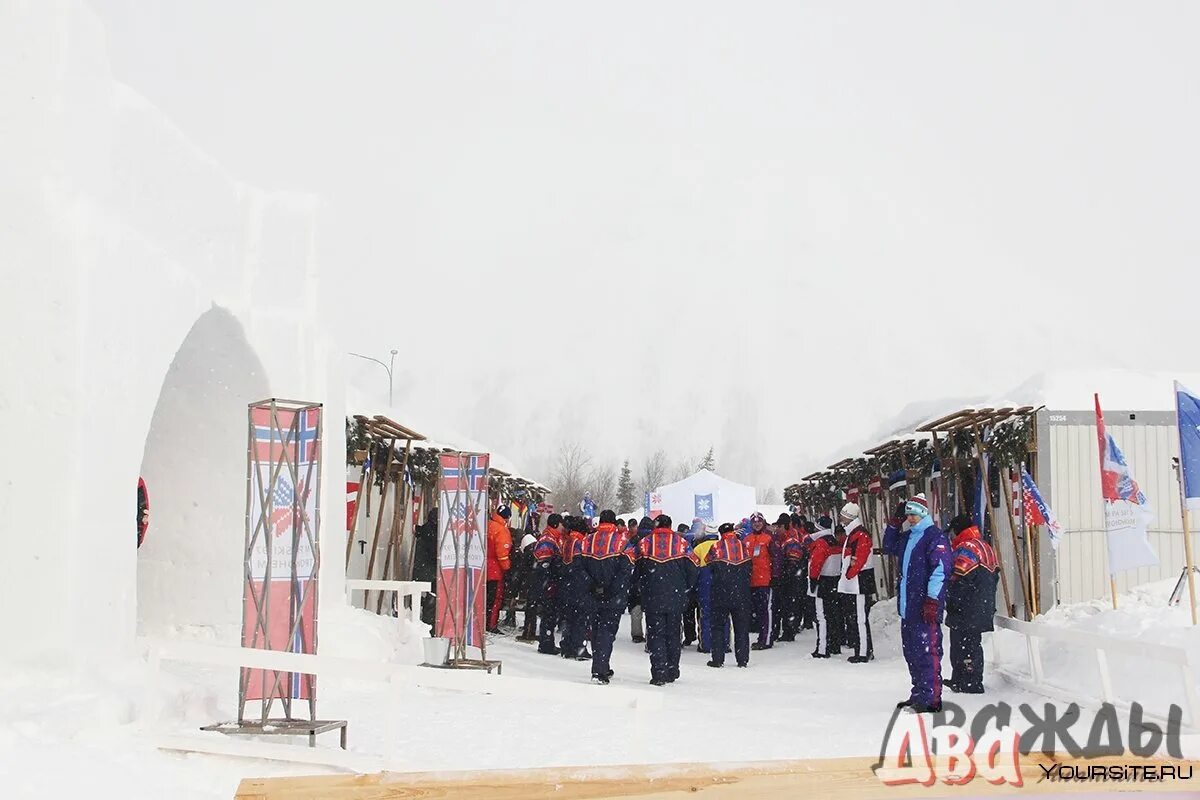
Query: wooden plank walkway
[[833, 777]]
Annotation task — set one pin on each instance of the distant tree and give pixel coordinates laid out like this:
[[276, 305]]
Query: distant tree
[[770, 497], [683, 469], [654, 472], [626, 490], [570, 475], [709, 462], [602, 483]]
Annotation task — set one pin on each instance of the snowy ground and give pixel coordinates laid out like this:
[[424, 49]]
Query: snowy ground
[[60, 740]]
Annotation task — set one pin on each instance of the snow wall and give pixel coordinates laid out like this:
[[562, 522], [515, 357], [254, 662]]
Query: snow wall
[[147, 297]]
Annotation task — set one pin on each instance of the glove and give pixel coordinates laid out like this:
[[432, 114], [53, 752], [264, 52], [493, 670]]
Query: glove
[[898, 514], [929, 611]]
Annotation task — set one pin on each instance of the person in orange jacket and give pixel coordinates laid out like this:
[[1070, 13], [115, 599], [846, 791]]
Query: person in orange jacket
[[760, 543], [499, 551]]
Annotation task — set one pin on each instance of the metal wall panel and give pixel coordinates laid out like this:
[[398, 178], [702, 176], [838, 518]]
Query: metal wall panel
[[1149, 442]]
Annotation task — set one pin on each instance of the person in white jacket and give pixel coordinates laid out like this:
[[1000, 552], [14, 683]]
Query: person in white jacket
[[856, 588], [824, 572]]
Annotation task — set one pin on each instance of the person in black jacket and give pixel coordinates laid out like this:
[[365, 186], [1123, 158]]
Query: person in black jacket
[[425, 562], [637, 630], [970, 604], [605, 559], [667, 571], [729, 563]]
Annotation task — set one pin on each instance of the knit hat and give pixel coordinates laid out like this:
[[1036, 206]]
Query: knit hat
[[726, 527], [824, 523], [784, 519], [917, 506], [851, 511], [504, 511]]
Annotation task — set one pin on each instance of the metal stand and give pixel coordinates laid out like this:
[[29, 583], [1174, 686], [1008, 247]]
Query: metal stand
[[282, 727], [471, 663], [1177, 592]]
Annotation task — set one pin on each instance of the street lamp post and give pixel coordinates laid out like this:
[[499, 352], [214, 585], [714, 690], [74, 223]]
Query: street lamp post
[[387, 367]]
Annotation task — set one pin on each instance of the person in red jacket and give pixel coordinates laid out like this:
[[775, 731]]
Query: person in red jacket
[[499, 550], [856, 589], [760, 543]]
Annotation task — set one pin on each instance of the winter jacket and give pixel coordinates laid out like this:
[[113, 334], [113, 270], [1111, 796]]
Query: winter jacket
[[425, 552], [667, 570], [575, 586], [824, 565], [794, 558], [858, 563], [499, 548], [760, 546], [604, 558], [729, 564], [924, 553], [971, 595], [547, 566], [702, 545], [635, 536]]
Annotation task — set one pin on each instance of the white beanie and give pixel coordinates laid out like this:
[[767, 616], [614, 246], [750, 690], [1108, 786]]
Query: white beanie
[[851, 511]]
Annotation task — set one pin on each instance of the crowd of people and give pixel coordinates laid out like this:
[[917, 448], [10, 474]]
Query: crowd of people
[[718, 589]]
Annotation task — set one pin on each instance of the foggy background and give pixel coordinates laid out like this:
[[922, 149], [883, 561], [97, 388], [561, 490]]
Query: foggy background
[[761, 227]]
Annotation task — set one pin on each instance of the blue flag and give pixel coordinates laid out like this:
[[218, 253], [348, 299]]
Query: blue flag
[[704, 507], [1188, 406]]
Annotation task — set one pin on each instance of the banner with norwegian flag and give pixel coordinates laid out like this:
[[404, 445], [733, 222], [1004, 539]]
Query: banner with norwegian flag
[[462, 548], [280, 594], [1127, 512]]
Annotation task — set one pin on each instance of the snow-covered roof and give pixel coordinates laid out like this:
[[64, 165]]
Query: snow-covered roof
[[1061, 390], [437, 434]]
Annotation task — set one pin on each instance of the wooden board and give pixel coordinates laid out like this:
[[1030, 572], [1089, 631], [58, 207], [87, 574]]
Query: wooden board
[[815, 778]]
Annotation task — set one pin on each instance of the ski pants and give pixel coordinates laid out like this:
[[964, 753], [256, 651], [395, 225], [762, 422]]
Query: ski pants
[[704, 598], [635, 622], [495, 600], [856, 611], [741, 633], [577, 617], [604, 632], [922, 645], [689, 617], [662, 635], [548, 612], [966, 659], [761, 597], [788, 622], [829, 626]]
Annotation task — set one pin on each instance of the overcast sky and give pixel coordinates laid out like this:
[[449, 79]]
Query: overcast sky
[[759, 226]]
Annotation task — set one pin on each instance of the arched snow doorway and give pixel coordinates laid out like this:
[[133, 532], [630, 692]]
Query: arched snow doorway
[[194, 464]]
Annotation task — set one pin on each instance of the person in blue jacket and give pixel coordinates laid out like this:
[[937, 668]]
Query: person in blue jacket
[[924, 553], [608, 564]]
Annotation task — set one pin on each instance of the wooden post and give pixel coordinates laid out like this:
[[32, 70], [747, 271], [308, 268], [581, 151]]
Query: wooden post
[[387, 462], [363, 488], [1187, 541], [991, 515], [1112, 582], [399, 508], [1012, 529]]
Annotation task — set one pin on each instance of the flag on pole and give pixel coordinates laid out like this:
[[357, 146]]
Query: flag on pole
[[1126, 511], [1188, 405], [1037, 510]]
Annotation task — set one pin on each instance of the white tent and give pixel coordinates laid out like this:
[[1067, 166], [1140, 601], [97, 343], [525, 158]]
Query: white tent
[[708, 496]]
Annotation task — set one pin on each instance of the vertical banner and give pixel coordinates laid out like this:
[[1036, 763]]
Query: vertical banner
[[704, 507], [653, 504], [462, 543], [1126, 511], [282, 557]]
